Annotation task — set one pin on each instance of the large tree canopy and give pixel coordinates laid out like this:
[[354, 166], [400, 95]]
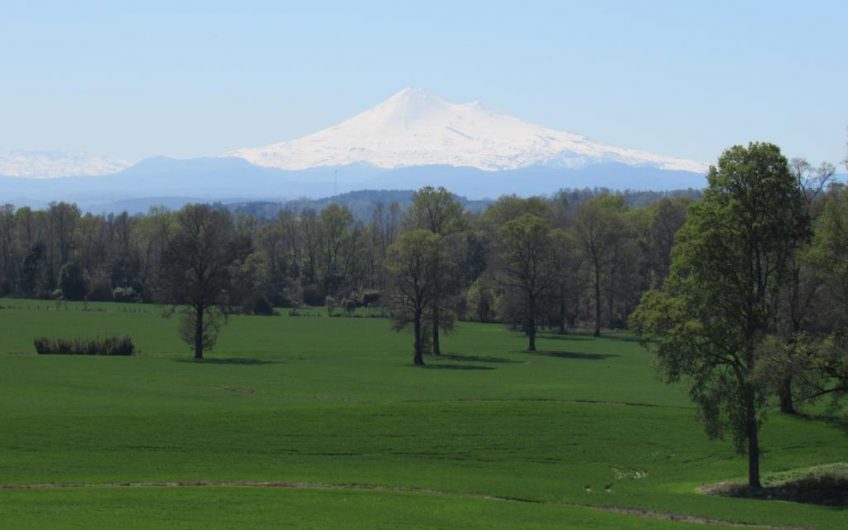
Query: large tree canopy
[[527, 255], [414, 263], [198, 271], [708, 323], [438, 210]]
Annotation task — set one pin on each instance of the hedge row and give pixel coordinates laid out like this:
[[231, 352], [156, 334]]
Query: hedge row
[[99, 346]]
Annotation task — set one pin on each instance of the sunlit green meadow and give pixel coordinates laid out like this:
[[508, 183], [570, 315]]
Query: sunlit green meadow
[[331, 412]]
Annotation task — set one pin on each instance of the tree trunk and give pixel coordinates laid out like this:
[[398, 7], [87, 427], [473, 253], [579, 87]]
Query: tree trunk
[[561, 313], [597, 302], [198, 333], [531, 332], [418, 359], [752, 429], [787, 405], [437, 350]]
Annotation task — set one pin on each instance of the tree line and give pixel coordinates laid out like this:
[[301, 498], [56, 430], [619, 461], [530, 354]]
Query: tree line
[[570, 260]]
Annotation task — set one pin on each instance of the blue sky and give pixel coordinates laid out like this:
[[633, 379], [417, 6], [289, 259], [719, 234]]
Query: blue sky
[[681, 78]]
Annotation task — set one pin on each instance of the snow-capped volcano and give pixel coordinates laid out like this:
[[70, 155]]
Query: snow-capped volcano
[[51, 164], [417, 128]]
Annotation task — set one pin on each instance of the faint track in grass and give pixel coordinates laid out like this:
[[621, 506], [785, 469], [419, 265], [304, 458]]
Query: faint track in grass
[[551, 401], [636, 512]]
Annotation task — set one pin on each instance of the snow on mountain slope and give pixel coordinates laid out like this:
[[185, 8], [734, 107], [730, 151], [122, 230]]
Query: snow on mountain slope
[[417, 128], [51, 164]]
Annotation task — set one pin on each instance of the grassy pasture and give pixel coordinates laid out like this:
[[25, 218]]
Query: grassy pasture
[[487, 436]]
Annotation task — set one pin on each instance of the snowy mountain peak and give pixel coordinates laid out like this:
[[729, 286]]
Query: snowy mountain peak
[[418, 128], [414, 99], [407, 108]]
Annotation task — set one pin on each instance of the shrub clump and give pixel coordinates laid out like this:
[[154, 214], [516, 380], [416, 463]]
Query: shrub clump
[[262, 306], [82, 346]]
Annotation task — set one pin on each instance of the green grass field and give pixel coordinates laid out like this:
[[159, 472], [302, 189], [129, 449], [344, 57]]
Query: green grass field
[[318, 422]]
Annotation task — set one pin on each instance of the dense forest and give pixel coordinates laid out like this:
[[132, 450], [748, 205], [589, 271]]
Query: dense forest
[[305, 255], [599, 251]]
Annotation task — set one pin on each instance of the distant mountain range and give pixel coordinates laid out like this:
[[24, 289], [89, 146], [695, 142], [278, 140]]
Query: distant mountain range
[[53, 164], [412, 139]]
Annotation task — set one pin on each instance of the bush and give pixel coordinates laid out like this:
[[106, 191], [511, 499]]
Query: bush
[[125, 294], [312, 295], [78, 346], [262, 306]]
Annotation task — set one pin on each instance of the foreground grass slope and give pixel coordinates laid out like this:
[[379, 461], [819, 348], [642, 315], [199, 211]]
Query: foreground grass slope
[[333, 408]]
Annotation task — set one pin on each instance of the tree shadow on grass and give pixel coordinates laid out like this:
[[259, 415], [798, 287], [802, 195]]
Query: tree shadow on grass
[[623, 337], [579, 356], [833, 420], [574, 336], [228, 361], [431, 366], [824, 490], [477, 358], [619, 335]]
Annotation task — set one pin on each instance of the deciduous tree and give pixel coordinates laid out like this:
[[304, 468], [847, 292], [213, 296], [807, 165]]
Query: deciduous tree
[[599, 228], [710, 321], [413, 263], [527, 267], [438, 210], [197, 267]]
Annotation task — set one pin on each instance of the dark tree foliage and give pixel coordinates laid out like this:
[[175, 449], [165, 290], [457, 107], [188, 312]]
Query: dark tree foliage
[[821, 359], [600, 228], [198, 268], [72, 281], [795, 312], [33, 278], [565, 294], [298, 255], [82, 346]]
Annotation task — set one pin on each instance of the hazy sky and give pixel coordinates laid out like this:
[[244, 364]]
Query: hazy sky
[[680, 78]]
